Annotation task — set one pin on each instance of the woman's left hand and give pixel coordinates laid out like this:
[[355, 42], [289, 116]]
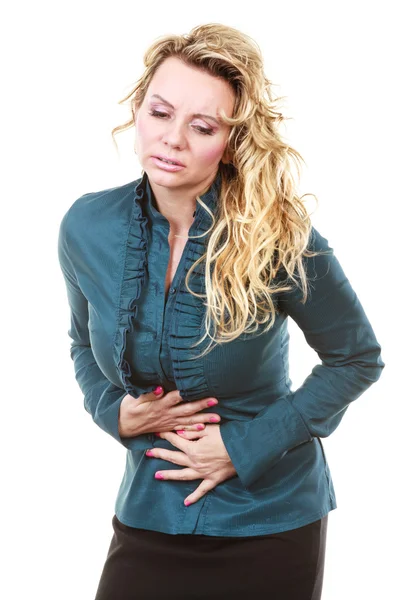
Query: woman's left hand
[[204, 455]]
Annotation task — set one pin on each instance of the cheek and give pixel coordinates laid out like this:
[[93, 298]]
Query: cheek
[[145, 132], [212, 154], [140, 130]]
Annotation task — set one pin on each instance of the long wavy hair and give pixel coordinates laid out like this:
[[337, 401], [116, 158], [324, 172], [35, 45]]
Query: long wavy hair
[[261, 226]]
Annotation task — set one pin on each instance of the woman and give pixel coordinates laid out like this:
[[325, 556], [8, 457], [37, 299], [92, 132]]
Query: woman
[[180, 285]]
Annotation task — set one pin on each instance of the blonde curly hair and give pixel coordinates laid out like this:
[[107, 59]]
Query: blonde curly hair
[[261, 225]]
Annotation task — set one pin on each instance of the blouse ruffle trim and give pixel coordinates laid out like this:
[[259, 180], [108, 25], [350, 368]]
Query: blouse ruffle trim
[[134, 275], [187, 320]]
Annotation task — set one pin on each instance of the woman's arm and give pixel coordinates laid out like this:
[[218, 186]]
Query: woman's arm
[[102, 398], [335, 325]]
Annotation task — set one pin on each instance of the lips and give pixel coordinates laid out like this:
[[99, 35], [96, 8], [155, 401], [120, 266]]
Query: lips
[[166, 166], [173, 160]]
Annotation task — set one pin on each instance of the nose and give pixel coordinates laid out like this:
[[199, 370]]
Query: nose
[[174, 135]]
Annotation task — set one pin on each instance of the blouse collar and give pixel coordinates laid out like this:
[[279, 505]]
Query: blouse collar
[[210, 199]]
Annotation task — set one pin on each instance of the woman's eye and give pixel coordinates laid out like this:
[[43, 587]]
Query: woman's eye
[[156, 113], [204, 130], [161, 115]]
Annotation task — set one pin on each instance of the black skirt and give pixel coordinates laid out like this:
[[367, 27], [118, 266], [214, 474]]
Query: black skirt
[[151, 565]]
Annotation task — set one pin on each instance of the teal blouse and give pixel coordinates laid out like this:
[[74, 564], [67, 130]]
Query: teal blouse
[[128, 338]]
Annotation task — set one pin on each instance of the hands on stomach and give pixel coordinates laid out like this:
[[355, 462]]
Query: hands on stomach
[[164, 412]]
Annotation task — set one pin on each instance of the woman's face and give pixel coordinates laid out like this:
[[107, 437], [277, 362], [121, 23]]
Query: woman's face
[[166, 125]]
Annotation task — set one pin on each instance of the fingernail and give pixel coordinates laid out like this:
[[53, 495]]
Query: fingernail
[[159, 476], [149, 453], [158, 390], [180, 431], [212, 402], [157, 434], [199, 427], [214, 419], [187, 503]]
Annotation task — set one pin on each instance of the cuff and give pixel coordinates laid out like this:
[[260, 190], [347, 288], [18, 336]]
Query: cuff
[[257, 445]]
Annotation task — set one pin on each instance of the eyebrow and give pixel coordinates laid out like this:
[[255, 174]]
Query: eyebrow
[[194, 114]]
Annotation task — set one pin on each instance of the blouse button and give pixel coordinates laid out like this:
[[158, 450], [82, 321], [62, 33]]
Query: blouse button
[[173, 290]]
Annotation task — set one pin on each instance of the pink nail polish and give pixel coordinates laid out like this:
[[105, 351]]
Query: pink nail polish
[[159, 476], [199, 427], [211, 403], [157, 434], [149, 453], [214, 419], [187, 503], [180, 431]]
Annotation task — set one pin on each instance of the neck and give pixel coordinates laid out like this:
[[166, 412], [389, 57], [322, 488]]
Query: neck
[[177, 210], [177, 205]]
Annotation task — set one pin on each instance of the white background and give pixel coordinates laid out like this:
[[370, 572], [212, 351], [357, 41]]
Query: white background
[[64, 68]]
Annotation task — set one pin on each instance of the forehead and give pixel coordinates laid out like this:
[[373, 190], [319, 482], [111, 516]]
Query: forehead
[[180, 83]]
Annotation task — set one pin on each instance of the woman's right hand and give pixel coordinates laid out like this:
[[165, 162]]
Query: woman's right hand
[[163, 412]]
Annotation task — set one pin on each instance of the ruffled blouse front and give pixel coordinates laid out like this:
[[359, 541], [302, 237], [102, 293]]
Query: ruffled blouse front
[[154, 337], [148, 351]]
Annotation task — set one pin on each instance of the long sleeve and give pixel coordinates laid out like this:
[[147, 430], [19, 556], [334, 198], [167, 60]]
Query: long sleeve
[[102, 398], [335, 325]]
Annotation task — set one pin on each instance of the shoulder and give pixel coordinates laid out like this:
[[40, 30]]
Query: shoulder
[[319, 247], [98, 210], [103, 202], [318, 242], [322, 270]]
